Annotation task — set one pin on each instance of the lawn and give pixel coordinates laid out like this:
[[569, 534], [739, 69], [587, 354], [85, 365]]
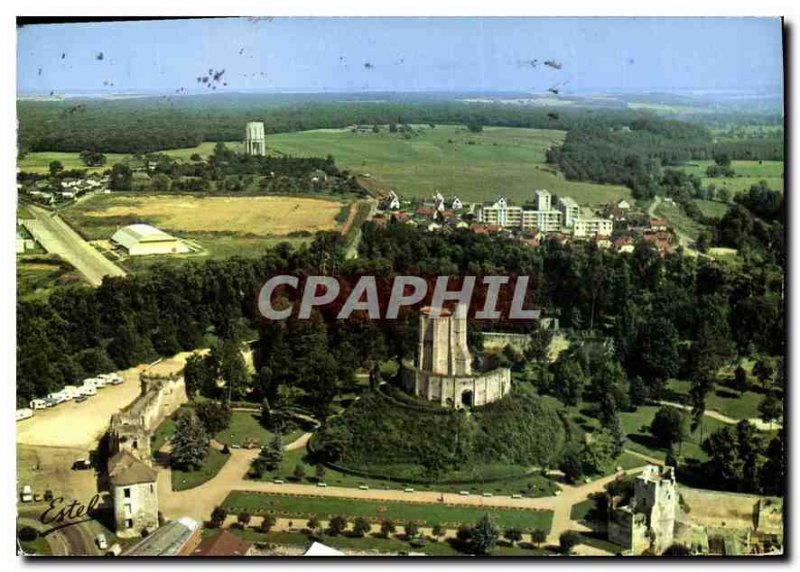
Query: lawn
[[162, 433], [474, 166], [530, 486], [246, 425], [296, 506], [182, 480], [727, 401]]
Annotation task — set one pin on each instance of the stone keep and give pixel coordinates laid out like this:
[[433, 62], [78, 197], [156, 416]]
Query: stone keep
[[255, 142], [647, 522], [443, 370]]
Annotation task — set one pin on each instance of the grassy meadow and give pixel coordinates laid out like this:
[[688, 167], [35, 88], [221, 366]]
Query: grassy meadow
[[747, 173]]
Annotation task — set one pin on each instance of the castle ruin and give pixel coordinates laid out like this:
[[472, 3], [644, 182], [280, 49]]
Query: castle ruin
[[132, 478], [647, 522], [443, 370]]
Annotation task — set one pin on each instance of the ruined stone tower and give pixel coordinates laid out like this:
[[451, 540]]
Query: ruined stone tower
[[443, 372], [254, 139], [443, 342]]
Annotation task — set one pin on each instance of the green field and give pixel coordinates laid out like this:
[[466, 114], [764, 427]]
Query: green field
[[678, 219], [427, 513], [711, 208], [502, 161], [39, 162], [474, 166], [182, 480], [748, 173]]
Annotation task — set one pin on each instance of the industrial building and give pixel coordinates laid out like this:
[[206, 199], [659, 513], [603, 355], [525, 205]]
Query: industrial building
[[255, 142], [143, 239]]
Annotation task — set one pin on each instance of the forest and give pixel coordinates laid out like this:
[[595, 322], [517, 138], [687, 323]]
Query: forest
[[150, 124]]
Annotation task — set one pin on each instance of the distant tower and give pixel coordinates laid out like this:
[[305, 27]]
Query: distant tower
[[254, 140]]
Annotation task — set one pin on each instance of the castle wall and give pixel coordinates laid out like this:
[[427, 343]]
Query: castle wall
[[131, 427], [449, 390]]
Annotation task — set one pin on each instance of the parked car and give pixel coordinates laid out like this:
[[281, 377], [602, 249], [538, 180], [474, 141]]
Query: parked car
[[100, 539], [81, 465], [38, 404], [23, 414], [27, 494], [81, 399]]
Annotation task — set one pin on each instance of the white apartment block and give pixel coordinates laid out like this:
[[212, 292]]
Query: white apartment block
[[586, 227], [571, 210], [502, 214]]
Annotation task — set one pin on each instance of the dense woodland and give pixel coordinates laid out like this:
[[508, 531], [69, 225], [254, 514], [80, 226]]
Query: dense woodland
[[635, 154]]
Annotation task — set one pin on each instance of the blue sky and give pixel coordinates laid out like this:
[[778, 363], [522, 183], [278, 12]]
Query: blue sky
[[424, 54]]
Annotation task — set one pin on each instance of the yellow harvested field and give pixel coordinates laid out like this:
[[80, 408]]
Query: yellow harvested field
[[260, 216]]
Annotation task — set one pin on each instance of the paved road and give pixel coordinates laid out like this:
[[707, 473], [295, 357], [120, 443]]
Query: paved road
[[56, 237]]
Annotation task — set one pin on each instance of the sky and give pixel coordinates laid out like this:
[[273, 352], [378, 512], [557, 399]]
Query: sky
[[404, 54]]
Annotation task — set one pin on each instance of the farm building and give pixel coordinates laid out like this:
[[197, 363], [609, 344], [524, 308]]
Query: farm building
[[140, 239]]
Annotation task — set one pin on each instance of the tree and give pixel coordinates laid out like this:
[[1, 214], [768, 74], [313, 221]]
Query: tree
[[121, 177], [92, 157], [267, 523], [411, 529], [513, 535], [668, 426], [196, 375], [740, 379], [55, 168], [233, 370], [337, 525], [313, 523], [361, 527], [319, 471], [214, 416], [538, 536], [763, 370], [485, 535], [218, 516], [269, 458], [571, 464], [569, 380], [189, 442], [299, 472], [770, 408], [387, 527], [244, 518], [474, 126], [670, 460], [597, 454], [437, 530], [568, 540]]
